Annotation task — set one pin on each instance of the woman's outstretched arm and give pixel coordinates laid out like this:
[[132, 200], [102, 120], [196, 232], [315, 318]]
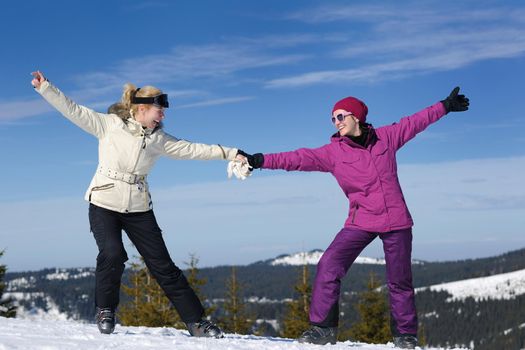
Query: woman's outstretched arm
[[303, 159], [182, 149], [90, 121], [408, 127]]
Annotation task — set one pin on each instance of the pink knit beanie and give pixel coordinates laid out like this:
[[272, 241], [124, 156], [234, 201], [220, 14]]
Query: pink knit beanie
[[354, 106]]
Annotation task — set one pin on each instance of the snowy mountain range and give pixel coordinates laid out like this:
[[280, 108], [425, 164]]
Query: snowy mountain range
[[312, 258]]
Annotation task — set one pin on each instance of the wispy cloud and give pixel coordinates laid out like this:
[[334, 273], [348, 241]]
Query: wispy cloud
[[467, 49], [392, 42], [479, 202], [502, 125], [471, 185], [410, 13], [180, 65], [190, 62], [407, 39], [215, 102], [15, 110], [290, 40], [145, 5]]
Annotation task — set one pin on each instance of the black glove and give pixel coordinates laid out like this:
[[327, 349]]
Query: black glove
[[255, 161], [455, 102]]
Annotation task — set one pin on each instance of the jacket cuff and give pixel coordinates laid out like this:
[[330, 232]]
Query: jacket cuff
[[231, 153], [45, 84], [441, 108]]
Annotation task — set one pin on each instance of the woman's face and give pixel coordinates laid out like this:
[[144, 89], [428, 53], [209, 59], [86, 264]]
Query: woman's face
[[348, 126], [150, 116]]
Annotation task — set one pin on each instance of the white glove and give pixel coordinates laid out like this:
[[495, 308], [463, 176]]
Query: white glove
[[240, 169]]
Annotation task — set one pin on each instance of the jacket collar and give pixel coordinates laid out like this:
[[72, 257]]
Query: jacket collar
[[372, 138], [136, 129]]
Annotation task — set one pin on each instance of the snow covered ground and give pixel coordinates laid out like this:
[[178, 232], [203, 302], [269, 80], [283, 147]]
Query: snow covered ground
[[501, 286], [27, 334]]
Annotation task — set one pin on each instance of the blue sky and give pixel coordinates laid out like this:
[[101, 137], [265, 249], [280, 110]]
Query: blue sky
[[263, 76]]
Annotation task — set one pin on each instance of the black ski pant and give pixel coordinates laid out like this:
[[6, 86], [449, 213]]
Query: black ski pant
[[144, 232]]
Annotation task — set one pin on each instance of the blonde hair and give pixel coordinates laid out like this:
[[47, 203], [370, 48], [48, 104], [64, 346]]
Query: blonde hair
[[125, 109]]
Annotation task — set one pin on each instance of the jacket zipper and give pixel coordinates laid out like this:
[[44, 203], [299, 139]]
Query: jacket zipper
[[355, 212], [142, 146]]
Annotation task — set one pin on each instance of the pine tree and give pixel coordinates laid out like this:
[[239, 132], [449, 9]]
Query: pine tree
[[148, 306], [236, 319], [421, 337], [374, 324], [296, 319], [7, 309]]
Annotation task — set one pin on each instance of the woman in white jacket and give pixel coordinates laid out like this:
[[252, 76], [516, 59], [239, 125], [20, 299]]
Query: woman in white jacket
[[129, 145]]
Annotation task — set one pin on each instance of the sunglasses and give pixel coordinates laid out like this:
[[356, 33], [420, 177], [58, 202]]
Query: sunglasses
[[341, 116]]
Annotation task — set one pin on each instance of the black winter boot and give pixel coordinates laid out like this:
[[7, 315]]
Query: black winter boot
[[204, 328], [405, 341], [319, 335], [105, 320]]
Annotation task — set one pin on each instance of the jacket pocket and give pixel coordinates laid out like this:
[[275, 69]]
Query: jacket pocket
[[384, 159], [349, 159], [379, 149], [101, 188], [356, 208]]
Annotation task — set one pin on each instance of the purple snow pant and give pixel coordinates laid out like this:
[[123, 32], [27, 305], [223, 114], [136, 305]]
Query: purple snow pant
[[337, 259]]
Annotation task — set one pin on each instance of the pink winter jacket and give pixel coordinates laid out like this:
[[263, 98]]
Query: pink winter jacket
[[367, 176]]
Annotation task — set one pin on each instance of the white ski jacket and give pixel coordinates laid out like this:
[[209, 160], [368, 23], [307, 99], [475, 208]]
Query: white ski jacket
[[126, 153]]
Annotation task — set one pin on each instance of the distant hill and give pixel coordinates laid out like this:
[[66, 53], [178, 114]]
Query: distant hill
[[501, 286]]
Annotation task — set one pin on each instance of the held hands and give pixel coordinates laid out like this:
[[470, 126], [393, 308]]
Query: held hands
[[38, 79], [255, 161], [243, 164], [455, 102]]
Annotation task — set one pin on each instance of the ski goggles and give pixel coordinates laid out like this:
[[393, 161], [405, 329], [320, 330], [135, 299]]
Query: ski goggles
[[341, 116], [159, 100]]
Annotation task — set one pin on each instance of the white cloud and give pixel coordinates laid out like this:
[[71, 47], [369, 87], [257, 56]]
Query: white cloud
[[190, 62], [410, 14], [380, 43], [447, 55], [215, 102], [12, 111], [181, 64], [407, 39]]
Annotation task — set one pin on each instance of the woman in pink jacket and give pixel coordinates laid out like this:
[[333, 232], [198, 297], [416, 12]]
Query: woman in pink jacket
[[363, 161]]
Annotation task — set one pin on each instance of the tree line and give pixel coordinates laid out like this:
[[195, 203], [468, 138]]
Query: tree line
[[7, 307], [147, 305]]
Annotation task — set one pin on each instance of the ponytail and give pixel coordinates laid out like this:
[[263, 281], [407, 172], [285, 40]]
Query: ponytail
[[120, 110], [127, 94]]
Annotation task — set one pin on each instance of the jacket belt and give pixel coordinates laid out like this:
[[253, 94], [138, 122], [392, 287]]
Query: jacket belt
[[119, 175]]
